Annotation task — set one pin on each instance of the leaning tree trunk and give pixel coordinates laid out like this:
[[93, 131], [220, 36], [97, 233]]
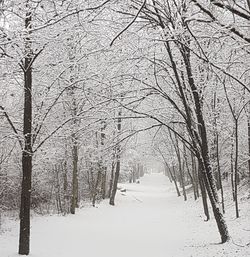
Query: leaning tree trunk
[[203, 194], [172, 174], [198, 137], [116, 178], [195, 175], [24, 236], [181, 169], [192, 179], [118, 164], [219, 173], [175, 181], [204, 160]]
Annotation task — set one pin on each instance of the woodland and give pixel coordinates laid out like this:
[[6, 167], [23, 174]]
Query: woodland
[[94, 93]]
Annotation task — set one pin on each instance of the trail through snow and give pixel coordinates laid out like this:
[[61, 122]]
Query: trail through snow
[[147, 221]]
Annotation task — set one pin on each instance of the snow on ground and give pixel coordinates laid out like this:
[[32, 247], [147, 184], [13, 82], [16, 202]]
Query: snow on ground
[[147, 221]]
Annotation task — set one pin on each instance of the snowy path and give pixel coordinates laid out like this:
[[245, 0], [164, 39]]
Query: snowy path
[[148, 221]]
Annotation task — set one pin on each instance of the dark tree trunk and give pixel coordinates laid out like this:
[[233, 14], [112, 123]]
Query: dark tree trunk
[[118, 163], [104, 175], [181, 170], [198, 136], [74, 194], [103, 166], [167, 173], [58, 189], [236, 179], [216, 153], [232, 170], [111, 178], [195, 175], [219, 173], [65, 188], [172, 174], [175, 181], [116, 178], [207, 173], [95, 189], [24, 236], [188, 171], [203, 194]]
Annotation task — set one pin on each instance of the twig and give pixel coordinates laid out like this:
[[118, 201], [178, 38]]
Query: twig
[[99, 6], [121, 32], [12, 125]]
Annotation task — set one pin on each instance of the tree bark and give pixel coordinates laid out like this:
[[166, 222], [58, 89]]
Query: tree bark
[[175, 181], [116, 178], [203, 194], [219, 172], [207, 173], [104, 177], [24, 236], [181, 169], [95, 189], [111, 178], [232, 170], [236, 178], [74, 194], [195, 175], [118, 163], [65, 188]]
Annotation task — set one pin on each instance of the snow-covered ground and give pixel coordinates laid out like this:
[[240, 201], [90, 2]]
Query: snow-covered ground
[[147, 221]]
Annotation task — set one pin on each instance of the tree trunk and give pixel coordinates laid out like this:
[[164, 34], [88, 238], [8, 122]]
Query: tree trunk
[[118, 163], [95, 189], [195, 175], [207, 173], [58, 190], [181, 172], [203, 194], [111, 178], [74, 194], [24, 236], [103, 167], [236, 178], [232, 170], [65, 188], [188, 171], [167, 173], [219, 173], [172, 174], [175, 181], [104, 176], [116, 178]]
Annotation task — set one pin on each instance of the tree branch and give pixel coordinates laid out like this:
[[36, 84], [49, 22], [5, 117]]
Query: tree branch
[[121, 32], [12, 125]]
